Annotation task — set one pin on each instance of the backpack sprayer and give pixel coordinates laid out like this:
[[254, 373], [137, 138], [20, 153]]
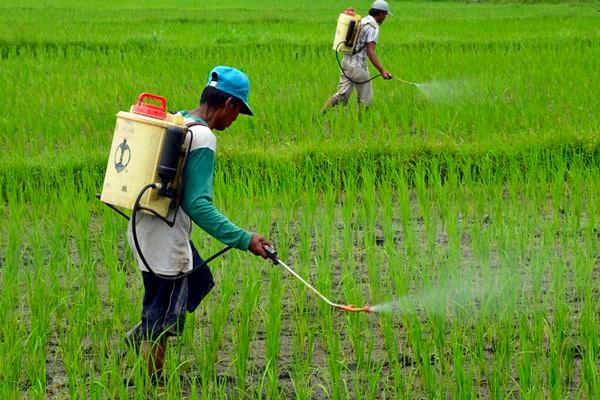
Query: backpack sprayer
[[145, 167], [346, 32], [147, 147], [344, 41]]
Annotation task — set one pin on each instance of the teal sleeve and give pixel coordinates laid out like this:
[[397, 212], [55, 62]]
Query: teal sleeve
[[197, 200]]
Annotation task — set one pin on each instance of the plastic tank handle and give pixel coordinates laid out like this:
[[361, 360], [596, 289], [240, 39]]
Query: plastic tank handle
[[151, 110]]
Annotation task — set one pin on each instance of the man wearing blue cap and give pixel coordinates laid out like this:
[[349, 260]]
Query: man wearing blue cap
[[170, 248], [355, 73]]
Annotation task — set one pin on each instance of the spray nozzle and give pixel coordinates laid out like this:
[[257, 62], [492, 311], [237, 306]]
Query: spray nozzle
[[351, 308]]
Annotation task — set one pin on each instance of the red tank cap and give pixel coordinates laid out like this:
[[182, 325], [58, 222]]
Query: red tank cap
[[151, 110]]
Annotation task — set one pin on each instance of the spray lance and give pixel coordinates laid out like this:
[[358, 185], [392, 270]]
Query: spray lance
[[272, 253]]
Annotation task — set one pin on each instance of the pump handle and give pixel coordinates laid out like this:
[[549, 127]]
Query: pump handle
[[148, 109]]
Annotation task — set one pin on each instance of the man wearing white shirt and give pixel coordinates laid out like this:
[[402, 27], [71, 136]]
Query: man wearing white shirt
[[355, 72]]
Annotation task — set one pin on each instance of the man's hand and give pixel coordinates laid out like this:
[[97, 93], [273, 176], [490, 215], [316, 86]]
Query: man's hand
[[256, 245], [386, 75]]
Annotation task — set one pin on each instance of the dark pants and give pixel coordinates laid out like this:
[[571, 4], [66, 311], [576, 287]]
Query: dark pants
[[166, 301]]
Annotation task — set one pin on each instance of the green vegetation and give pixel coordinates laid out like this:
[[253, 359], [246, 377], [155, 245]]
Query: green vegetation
[[473, 203]]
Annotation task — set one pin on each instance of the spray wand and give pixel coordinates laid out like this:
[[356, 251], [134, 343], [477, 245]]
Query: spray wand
[[370, 79], [272, 253], [407, 82]]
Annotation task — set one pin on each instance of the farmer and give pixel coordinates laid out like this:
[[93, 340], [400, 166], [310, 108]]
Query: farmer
[[168, 250], [354, 66]]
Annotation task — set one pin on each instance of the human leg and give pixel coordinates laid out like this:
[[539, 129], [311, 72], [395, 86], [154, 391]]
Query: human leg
[[153, 352], [163, 315], [343, 93], [164, 306], [364, 90]]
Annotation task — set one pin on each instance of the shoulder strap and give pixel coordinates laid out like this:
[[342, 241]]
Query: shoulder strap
[[355, 50], [370, 24], [195, 123]]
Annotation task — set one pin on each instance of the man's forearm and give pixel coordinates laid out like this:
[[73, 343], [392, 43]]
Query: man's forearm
[[374, 59], [207, 217]]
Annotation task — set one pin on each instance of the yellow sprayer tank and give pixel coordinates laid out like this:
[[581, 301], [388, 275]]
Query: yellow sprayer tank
[[135, 153], [346, 31]]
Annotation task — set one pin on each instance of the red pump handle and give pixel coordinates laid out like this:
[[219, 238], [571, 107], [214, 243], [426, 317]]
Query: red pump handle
[[148, 109]]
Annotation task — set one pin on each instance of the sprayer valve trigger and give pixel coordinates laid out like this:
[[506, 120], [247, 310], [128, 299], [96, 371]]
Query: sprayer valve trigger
[[271, 253]]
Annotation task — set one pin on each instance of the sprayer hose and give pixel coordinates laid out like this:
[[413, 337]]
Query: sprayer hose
[[337, 57]]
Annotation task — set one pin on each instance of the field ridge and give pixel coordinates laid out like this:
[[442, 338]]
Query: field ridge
[[477, 162]]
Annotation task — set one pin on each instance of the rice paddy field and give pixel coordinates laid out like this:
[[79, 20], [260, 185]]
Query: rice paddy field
[[465, 208]]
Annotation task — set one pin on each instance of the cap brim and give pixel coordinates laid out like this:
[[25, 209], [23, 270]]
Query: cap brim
[[389, 13], [246, 109]]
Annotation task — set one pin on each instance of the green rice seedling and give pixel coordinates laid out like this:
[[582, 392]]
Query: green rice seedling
[[273, 326], [245, 329], [332, 345], [302, 358]]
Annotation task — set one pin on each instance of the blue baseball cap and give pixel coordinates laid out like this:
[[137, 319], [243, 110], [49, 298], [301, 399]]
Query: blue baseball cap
[[231, 81]]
